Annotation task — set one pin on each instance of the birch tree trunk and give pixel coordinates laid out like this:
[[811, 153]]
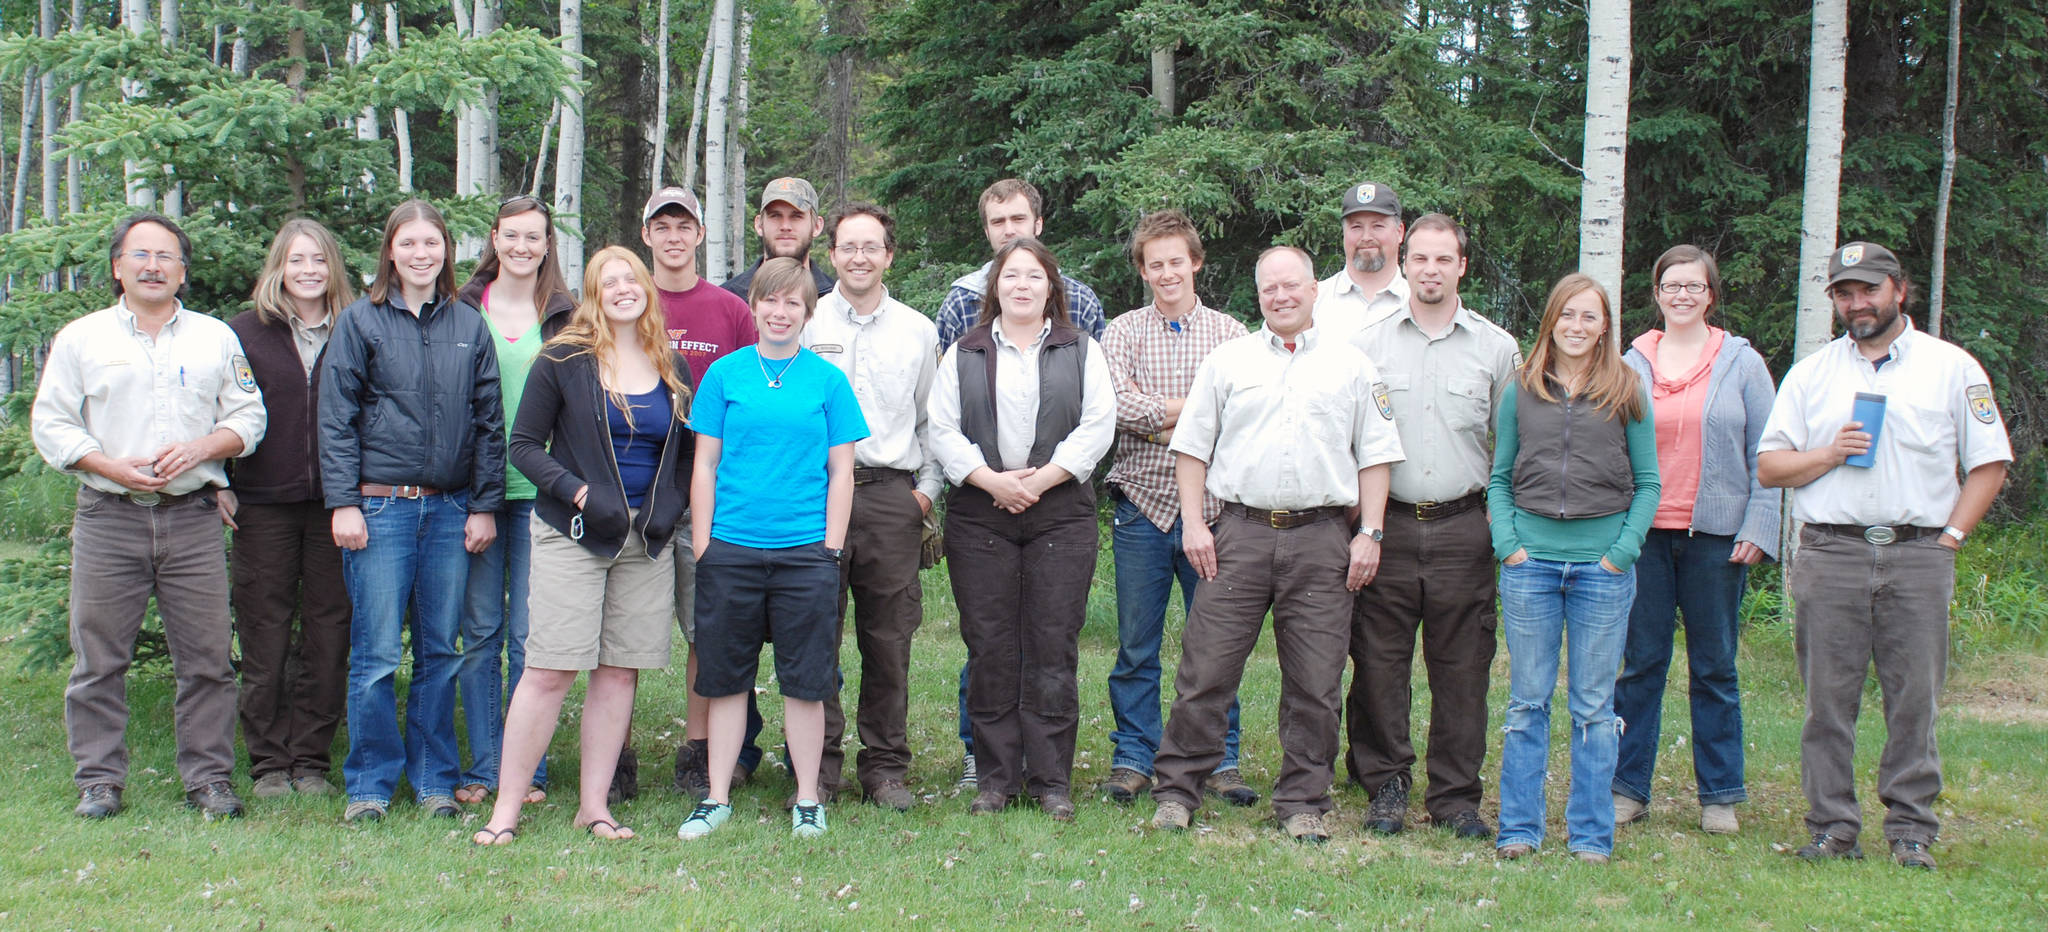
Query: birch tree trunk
[[465, 125], [135, 19], [401, 122], [360, 29], [717, 228], [1819, 212], [569, 163], [47, 94], [540, 161], [697, 90], [167, 33], [17, 209], [843, 20], [74, 199], [1162, 79], [736, 182], [1938, 280], [1603, 191], [657, 140], [488, 175]]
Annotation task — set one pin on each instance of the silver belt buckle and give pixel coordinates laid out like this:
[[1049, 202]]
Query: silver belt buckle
[[146, 499], [1880, 534]]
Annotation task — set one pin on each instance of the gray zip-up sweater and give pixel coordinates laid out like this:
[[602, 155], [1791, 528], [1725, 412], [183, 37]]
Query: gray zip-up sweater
[[1730, 501]]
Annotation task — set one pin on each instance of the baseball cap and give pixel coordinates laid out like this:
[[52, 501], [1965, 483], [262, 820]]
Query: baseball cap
[[1373, 196], [672, 196], [796, 191], [1863, 262]]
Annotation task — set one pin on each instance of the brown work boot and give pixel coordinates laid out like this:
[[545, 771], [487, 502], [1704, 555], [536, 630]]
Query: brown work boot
[[1124, 785], [1171, 817], [1825, 846], [893, 794], [1388, 814], [1306, 827], [1229, 786]]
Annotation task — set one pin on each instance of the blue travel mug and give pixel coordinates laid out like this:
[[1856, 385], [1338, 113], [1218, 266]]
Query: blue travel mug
[[1870, 411]]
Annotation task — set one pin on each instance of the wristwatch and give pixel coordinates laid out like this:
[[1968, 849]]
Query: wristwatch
[[1956, 533], [1372, 532]]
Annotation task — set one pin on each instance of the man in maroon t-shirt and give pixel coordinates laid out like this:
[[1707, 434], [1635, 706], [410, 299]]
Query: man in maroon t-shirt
[[704, 323]]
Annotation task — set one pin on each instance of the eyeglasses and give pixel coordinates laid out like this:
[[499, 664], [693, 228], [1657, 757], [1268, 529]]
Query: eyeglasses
[[1687, 287], [162, 258], [860, 249]]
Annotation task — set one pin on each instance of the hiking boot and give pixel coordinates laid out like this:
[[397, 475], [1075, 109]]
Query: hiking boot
[[1229, 786], [271, 785], [1718, 820], [1593, 858], [1914, 854], [987, 802], [98, 801], [807, 819], [1059, 806], [312, 784], [1306, 827], [693, 772], [1124, 785], [367, 810], [1824, 846], [1388, 814], [894, 795], [1629, 809], [1171, 817], [1515, 852], [216, 800], [441, 807], [968, 779], [1467, 824], [704, 820], [625, 779]]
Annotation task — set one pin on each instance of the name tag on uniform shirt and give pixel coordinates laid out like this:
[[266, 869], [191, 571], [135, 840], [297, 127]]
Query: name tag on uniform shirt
[[822, 348]]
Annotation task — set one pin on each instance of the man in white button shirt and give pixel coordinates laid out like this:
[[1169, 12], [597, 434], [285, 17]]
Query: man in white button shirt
[[890, 353], [1294, 434], [1369, 288], [144, 402], [1875, 568]]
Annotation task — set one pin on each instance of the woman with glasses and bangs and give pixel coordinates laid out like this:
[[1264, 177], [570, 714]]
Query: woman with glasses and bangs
[[1712, 394], [519, 288]]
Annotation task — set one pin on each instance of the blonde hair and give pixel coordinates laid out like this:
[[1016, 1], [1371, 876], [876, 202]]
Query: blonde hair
[[1610, 384], [589, 332], [272, 304]]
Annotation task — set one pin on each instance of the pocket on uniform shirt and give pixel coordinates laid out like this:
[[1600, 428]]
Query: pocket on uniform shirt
[[1468, 403]]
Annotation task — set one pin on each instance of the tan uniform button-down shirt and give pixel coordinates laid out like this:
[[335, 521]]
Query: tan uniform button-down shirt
[[1287, 430], [1152, 361], [108, 387], [310, 339], [1445, 390], [1939, 412], [891, 357], [1343, 309]]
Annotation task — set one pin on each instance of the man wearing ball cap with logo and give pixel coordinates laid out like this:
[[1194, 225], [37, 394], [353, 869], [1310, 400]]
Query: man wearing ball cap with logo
[[1369, 287], [1870, 430]]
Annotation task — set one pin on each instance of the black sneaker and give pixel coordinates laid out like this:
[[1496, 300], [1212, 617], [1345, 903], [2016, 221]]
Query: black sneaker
[[625, 778], [1467, 824], [1914, 854], [1825, 846], [98, 801], [1388, 814], [216, 800], [693, 775]]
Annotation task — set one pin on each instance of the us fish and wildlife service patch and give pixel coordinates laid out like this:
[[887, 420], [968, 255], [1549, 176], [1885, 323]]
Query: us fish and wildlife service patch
[[245, 378], [1382, 401], [1982, 407]]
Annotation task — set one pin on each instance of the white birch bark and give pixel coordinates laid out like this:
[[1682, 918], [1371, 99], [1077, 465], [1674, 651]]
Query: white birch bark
[[736, 181], [401, 122], [717, 228], [17, 209], [657, 140], [540, 162], [1819, 213], [135, 19], [168, 33], [484, 134], [1603, 190], [1162, 79], [74, 198], [464, 125], [1938, 280], [690, 160], [47, 94], [569, 163]]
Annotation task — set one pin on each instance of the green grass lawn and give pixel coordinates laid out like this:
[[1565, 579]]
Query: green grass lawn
[[293, 864]]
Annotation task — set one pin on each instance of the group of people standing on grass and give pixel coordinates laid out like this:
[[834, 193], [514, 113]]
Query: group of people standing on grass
[[533, 482]]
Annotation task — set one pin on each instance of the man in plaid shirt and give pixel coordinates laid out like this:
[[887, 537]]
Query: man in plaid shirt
[[1153, 352]]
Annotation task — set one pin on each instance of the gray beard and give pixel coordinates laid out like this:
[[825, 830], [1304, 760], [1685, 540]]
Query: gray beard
[[1865, 328], [1368, 264]]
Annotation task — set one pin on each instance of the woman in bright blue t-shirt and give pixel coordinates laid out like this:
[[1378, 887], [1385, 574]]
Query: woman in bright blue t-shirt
[[771, 496]]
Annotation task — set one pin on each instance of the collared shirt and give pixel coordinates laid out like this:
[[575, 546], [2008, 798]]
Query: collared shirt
[[110, 388], [1152, 360], [1445, 390], [890, 356], [310, 339], [1343, 308], [962, 305], [1939, 411], [1017, 411], [1286, 430]]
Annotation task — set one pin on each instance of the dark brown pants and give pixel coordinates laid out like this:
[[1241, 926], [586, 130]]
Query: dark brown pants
[[1021, 582], [294, 688], [880, 573], [1438, 576], [1298, 574]]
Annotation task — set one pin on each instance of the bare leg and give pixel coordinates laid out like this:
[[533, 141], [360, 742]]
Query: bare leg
[[530, 720], [803, 724], [727, 725], [607, 715], [696, 721]]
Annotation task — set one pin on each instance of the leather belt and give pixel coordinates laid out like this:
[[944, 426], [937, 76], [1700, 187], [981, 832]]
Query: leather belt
[[1284, 519], [1878, 533], [1437, 511], [156, 499], [866, 475], [375, 490]]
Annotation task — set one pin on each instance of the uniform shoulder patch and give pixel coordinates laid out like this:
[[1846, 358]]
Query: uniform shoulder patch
[[245, 377], [1982, 406], [1381, 400]]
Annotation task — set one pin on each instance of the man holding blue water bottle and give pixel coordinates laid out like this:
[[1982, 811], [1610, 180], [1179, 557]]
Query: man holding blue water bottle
[[1870, 430]]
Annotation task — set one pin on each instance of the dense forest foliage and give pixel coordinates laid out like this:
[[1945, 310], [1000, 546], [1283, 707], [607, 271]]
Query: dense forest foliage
[[246, 113]]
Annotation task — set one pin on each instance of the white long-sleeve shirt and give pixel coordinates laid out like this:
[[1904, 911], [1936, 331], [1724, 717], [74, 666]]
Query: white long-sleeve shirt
[[1017, 411], [891, 357]]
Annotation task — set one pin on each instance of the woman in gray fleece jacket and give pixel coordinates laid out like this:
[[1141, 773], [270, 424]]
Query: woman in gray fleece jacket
[[1711, 393]]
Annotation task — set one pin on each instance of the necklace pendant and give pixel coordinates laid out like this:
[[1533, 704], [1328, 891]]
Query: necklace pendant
[[774, 383]]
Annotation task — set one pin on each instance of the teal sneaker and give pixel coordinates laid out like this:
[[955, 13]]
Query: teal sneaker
[[704, 820], [806, 819]]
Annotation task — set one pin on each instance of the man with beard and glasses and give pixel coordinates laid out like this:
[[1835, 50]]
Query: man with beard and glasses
[[1369, 288], [1870, 430], [787, 223]]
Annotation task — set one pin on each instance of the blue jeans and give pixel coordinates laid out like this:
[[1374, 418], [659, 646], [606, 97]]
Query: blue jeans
[[1148, 560], [414, 561], [1687, 574], [494, 623], [1583, 605]]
